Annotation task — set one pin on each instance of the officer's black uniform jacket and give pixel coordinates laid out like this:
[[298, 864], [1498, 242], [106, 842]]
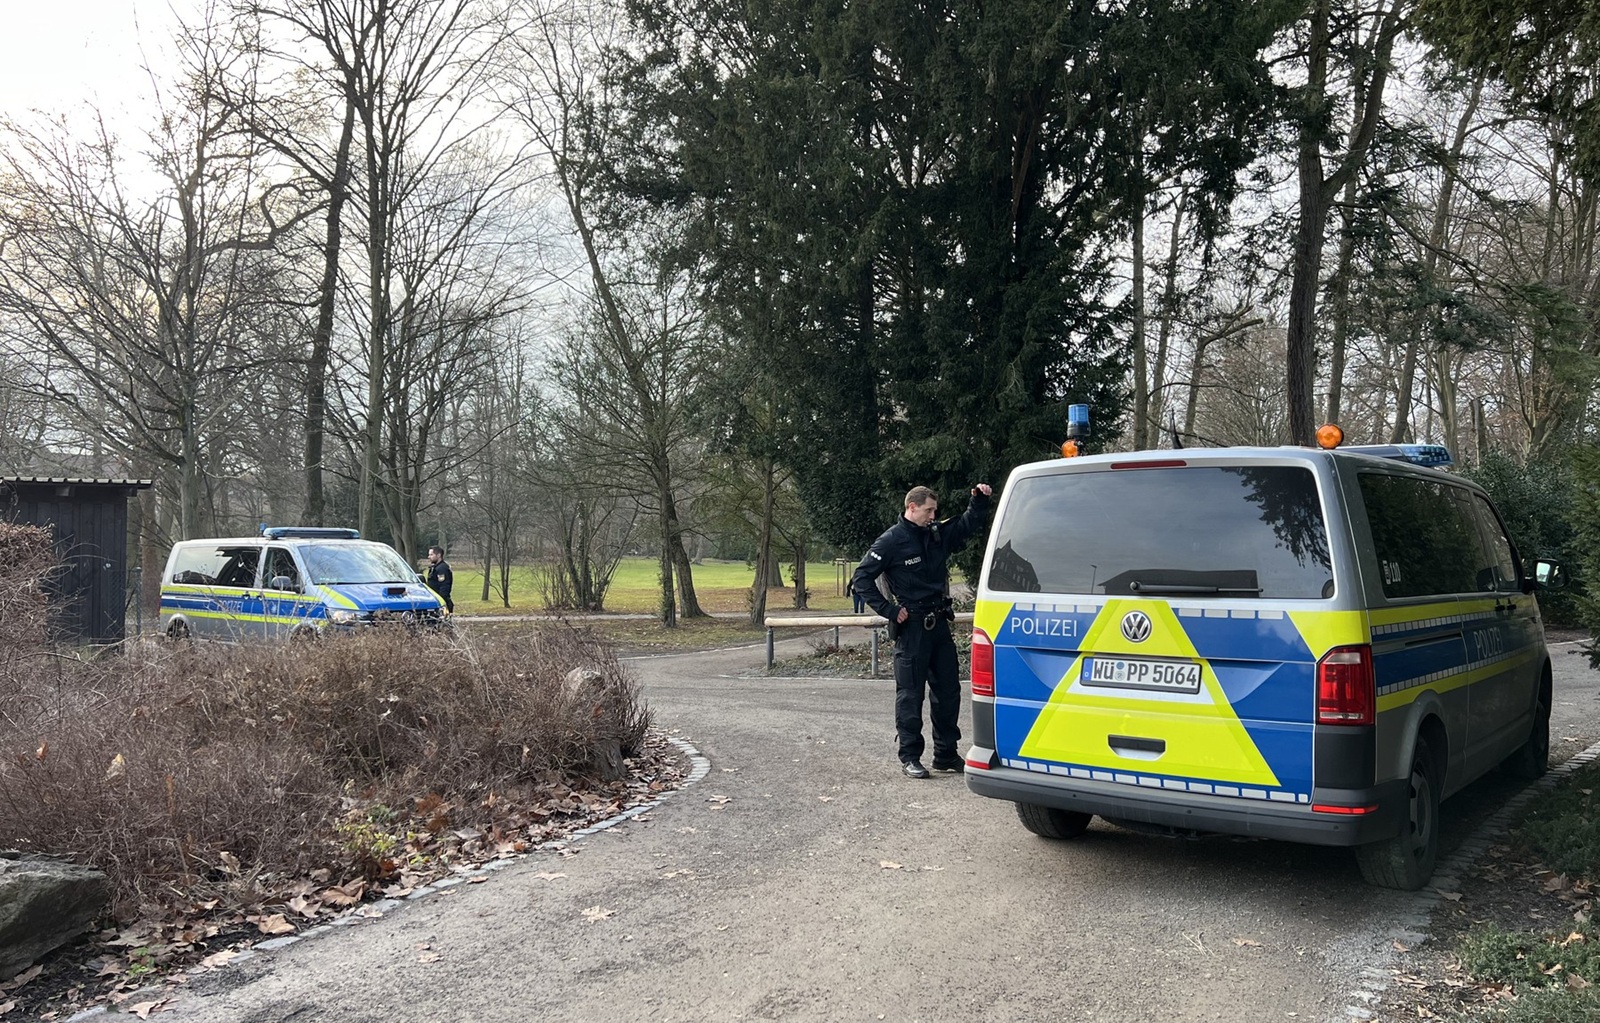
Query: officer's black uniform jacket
[[914, 559]]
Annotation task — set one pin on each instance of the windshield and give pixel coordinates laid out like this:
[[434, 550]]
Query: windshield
[[1228, 531], [343, 563]]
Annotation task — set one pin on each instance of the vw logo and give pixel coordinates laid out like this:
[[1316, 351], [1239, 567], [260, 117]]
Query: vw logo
[[1136, 626]]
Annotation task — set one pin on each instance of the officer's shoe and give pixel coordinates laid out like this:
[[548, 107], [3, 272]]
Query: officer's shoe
[[914, 769], [953, 765]]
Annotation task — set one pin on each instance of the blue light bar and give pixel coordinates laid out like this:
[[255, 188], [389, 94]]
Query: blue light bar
[[310, 533], [1434, 456]]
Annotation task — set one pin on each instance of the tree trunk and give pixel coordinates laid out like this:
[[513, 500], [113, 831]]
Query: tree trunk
[[1340, 300], [322, 335], [1169, 302], [1141, 368], [758, 587], [669, 603], [801, 597]]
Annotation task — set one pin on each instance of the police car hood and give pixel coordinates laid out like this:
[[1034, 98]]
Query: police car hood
[[399, 596]]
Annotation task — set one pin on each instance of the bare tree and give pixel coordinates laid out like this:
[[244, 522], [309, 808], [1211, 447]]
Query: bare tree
[[639, 357], [145, 286]]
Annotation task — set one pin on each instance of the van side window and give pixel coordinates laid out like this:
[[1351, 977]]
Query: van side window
[[281, 563], [1502, 556], [1426, 540], [238, 566]]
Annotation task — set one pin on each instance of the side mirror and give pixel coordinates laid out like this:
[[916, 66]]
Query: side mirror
[[282, 582], [1549, 574]]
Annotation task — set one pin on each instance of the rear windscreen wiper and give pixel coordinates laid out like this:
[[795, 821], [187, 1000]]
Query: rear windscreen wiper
[[1179, 588]]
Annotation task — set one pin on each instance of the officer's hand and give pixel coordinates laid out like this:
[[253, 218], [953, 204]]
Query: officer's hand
[[984, 489], [902, 616]]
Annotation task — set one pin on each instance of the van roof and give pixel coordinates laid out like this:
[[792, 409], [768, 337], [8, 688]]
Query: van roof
[[1424, 457]]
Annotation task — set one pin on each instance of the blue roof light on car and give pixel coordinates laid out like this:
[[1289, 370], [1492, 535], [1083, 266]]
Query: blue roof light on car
[[1434, 456], [310, 533]]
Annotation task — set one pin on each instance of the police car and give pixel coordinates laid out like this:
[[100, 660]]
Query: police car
[[1307, 644], [290, 581]]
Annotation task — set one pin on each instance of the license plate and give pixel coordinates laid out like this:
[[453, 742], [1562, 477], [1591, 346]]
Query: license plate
[[1166, 676]]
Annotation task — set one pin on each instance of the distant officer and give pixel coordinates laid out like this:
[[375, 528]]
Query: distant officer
[[440, 578], [913, 555]]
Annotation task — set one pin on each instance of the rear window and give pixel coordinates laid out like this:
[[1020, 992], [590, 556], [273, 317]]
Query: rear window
[[1227, 531]]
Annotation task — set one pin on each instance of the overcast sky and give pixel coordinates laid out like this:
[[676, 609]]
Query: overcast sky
[[56, 55]]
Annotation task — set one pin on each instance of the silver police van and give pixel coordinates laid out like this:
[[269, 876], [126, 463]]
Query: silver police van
[[290, 582], [1293, 643]]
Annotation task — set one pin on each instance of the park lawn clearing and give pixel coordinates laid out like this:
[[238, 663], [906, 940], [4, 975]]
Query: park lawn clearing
[[721, 586]]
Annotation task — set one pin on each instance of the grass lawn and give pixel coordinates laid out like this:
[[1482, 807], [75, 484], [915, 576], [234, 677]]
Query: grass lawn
[[636, 588]]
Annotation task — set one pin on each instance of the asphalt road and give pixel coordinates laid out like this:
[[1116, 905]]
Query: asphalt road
[[805, 879]]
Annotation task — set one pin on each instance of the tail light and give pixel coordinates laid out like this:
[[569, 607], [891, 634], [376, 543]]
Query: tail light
[[1346, 689], [982, 664]]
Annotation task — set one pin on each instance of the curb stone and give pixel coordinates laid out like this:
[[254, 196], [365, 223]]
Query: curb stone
[[1416, 910], [699, 767]]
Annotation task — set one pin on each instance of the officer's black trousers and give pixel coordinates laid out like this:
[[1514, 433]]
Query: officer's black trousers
[[926, 657]]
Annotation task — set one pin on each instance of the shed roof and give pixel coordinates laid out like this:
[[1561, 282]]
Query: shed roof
[[73, 481]]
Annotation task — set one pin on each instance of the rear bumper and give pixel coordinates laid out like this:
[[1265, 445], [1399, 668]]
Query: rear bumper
[[1197, 812]]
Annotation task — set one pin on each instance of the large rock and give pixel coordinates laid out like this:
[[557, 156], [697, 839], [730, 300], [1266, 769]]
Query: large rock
[[45, 902]]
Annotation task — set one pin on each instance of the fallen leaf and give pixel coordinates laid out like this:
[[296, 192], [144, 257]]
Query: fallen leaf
[[720, 801], [1575, 936], [1401, 948], [888, 864], [118, 768], [1452, 896], [826, 799], [477, 880], [1247, 942], [1552, 970], [1577, 983], [304, 906], [926, 867], [15, 983], [6, 1007], [42, 752], [546, 875], [217, 960], [274, 924], [144, 1009], [429, 957], [594, 914]]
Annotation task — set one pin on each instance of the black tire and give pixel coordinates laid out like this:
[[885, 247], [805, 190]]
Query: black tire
[[1532, 759], [178, 632], [1406, 861], [304, 634], [1049, 822]]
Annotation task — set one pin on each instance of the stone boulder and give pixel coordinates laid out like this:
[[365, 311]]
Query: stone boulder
[[45, 902]]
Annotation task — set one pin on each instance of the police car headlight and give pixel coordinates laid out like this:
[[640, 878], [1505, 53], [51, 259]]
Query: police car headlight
[[343, 616]]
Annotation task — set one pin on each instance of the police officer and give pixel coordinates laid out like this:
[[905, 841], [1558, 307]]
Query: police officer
[[913, 556], [440, 578]]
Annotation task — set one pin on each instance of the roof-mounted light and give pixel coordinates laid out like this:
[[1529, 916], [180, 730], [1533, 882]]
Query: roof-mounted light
[[310, 533]]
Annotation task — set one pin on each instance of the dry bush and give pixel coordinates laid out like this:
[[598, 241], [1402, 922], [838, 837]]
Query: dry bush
[[155, 764], [24, 614]]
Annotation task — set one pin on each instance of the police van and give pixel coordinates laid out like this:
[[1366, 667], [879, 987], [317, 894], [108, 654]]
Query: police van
[[1291, 643], [290, 582]]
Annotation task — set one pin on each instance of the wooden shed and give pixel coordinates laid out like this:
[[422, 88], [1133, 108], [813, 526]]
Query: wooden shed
[[89, 521]]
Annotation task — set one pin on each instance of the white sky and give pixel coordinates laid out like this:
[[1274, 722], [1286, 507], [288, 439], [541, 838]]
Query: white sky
[[57, 55]]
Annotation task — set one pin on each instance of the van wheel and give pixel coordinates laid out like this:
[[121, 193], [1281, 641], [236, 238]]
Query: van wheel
[[304, 634], [178, 632], [1049, 822], [1406, 860], [1532, 758]]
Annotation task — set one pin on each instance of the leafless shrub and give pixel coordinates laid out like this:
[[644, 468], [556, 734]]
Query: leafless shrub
[[24, 619], [174, 766]]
